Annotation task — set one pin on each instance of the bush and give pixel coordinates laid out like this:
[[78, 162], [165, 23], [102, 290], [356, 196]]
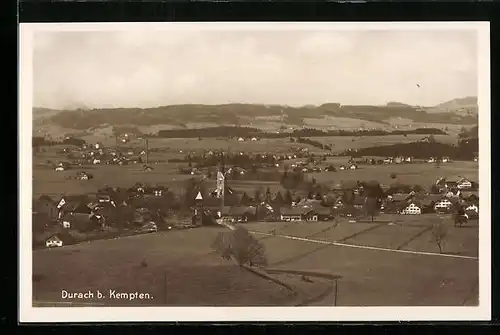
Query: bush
[[242, 246]]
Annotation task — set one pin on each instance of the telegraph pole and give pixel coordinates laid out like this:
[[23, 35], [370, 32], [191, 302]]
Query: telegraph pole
[[336, 292]]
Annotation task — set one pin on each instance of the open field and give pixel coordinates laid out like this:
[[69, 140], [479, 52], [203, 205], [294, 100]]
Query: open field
[[196, 276], [50, 182], [280, 145], [423, 174]]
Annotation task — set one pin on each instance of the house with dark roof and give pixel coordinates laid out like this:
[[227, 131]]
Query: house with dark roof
[[294, 213], [470, 195], [241, 213], [451, 184], [47, 206], [319, 213], [359, 202], [397, 197], [73, 204]]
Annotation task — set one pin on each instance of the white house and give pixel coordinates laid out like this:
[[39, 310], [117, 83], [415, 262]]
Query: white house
[[444, 203], [431, 160], [464, 183], [353, 167], [241, 139], [342, 167], [66, 224], [472, 207], [53, 241], [445, 160], [388, 160], [60, 168], [412, 209], [254, 139], [96, 161]]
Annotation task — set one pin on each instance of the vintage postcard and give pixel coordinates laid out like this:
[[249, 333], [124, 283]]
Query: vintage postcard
[[254, 172]]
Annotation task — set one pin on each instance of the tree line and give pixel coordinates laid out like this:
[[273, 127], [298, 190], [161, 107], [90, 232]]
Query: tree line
[[233, 131]]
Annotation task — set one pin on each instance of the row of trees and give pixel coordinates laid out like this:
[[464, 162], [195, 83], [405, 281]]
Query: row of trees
[[237, 131], [465, 150]]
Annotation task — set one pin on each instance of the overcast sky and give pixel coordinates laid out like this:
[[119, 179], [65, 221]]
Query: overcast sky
[[153, 68]]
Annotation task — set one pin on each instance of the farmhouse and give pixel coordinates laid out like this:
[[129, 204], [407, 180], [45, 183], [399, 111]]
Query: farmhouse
[[398, 197], [294, 213], [464, 183], [47, 206], [241, 213], [319, 213], [450, 184], [359, 202], [443, 205], [470, 196], [472, 206], [53, 241], [414, 208], [84, 176]]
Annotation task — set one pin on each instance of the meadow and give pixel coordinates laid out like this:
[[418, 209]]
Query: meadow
[[178, 267]]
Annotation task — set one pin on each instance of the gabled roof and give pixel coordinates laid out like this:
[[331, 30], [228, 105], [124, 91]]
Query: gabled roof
[[76, 206], [294, 210], [430, 199], [401, 197], [468, 194], [242, 210], [415, 202], [359, 200], [321, 210], [54, 238]]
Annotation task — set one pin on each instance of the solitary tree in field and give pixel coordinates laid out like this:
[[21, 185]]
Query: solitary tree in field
[[440, 234], [240, 245], [371, 207]]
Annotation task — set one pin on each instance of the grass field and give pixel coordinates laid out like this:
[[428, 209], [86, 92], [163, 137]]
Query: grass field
[[50, 182], [178, 267], [423, 174]]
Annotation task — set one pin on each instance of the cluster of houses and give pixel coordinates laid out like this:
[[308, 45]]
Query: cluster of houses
[[145, 208], [97, 154]]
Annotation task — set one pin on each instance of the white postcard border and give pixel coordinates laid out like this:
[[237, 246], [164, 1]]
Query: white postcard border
[[27, 313]]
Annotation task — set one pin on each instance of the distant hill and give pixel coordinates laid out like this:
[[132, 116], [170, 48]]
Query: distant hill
[[332, 115], [464, 107], [397, 104]]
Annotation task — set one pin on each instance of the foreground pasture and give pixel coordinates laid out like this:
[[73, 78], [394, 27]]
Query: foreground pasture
[[179, 268]]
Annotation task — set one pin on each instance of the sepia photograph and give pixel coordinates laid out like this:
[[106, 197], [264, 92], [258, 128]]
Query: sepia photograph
[[254, 172]]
